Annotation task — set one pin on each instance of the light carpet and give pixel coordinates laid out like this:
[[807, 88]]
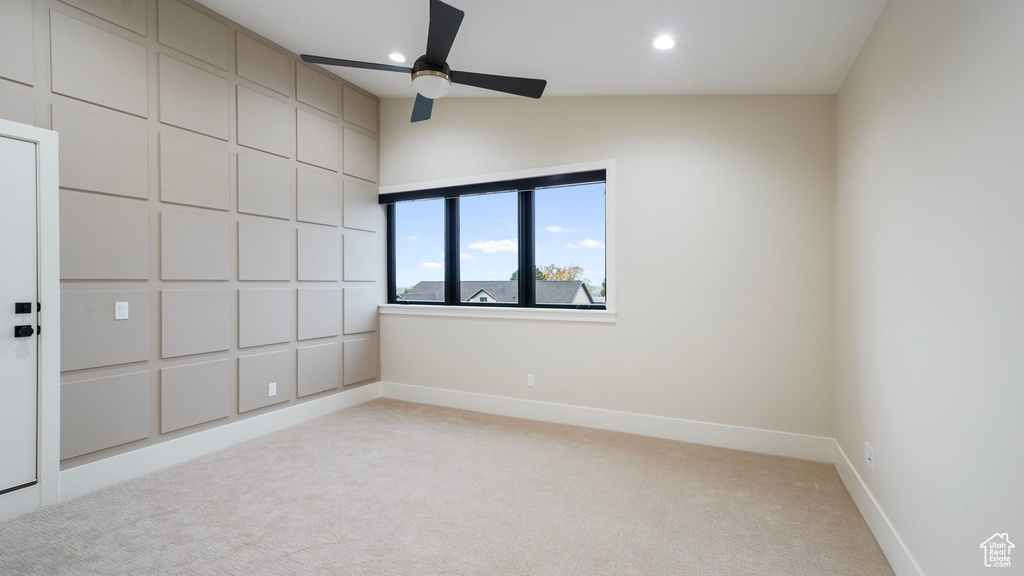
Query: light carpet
[[394, 488]]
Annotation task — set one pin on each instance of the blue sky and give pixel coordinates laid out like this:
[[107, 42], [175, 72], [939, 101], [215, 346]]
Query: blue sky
[[570, 230]]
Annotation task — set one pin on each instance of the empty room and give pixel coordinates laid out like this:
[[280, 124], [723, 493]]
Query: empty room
[[469, 287]]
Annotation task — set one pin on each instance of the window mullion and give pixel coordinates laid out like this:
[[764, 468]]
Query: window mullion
[[452, 281], [392, 271], [527, 286]]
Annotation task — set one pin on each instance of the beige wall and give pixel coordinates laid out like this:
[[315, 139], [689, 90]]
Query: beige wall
[[930, 286], [206, 174], [724, 256]]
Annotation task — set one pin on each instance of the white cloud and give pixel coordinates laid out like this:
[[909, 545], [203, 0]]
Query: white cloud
[[493, 246], [585, 243], [593, 272], [433, 265], [467, 256], [559, 229], [414, 238]]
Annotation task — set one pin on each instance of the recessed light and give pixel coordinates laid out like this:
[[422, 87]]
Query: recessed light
[[664, 42], [396, 57]]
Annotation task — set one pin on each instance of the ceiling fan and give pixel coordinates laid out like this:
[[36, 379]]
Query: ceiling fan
[[431, 75]]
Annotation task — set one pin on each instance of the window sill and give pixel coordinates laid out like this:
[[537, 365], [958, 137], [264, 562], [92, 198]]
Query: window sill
[[530, 314]]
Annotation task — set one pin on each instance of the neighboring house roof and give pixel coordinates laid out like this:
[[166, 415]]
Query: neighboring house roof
[[482, 292], [548, 291], [419, 297], [561, 291]]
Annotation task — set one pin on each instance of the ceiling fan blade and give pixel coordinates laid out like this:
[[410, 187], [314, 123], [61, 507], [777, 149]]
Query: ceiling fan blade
[[529, 87], [421, 109], [353, 64], [444, 25]]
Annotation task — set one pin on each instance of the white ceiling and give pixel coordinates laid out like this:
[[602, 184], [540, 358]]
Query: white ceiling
[[586, 47]]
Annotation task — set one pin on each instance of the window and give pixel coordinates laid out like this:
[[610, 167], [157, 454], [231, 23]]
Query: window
[[467, 245], [489, 247], [419, 247]]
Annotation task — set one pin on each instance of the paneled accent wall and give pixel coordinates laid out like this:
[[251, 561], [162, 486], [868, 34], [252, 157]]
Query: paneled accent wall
[[222, 189]]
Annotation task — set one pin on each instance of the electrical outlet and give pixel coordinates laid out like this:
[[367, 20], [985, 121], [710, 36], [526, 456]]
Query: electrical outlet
[[120, 310], [529, 380], [272, 390], [869, 456]]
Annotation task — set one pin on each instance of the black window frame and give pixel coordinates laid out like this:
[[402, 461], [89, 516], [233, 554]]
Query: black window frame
[[525, 187]]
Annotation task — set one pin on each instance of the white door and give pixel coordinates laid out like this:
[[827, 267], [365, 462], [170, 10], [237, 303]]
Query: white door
[[19, 363]]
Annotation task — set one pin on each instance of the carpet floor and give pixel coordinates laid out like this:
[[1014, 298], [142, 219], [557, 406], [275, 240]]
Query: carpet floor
[[394, 488]]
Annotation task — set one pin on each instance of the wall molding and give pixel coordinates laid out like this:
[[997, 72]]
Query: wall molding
[[80, 480], [900, 558], [818, 448]]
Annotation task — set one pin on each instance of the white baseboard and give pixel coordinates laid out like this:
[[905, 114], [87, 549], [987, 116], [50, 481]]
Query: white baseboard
[[900, 558], [109, 471], [803, 446]]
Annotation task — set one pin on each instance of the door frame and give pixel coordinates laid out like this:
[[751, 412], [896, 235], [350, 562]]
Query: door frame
[[47, 490]]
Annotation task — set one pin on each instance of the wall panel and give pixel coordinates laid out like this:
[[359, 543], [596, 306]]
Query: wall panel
[[194, 247], [263, 65], [319, 255], [256, 372], [318, 198], [264, 123], [265, 317], [360, 155], [96, 66], [360, 109], [102, 412], [101, 154], [128, 15], [316, 141], [360, 310], [363, 260], [319, 312], [362, 212], [266, 251], [194, 322], [194, 172], [17, 108], [192, 98], [90, 336], [16, 47], [264, 186], [316, 89], [187, 29], [319, 368], [360, 360], [103, 242], [194, 394]]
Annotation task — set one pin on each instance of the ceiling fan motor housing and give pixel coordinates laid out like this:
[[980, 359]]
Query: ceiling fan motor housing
[[429, 79]]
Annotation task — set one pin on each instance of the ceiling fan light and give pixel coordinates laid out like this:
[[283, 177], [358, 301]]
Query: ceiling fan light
[[431, 83]]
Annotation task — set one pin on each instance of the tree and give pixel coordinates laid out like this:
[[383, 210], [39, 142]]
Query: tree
[[604, 287], [536, 274], [553, 272]]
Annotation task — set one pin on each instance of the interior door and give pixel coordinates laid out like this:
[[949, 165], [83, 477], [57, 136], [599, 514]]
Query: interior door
[[19, 364]]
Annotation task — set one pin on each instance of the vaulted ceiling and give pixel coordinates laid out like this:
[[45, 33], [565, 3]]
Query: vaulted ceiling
[[586, 47]]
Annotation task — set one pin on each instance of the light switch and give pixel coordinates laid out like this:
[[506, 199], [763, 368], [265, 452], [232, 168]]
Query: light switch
[[120, 310]]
